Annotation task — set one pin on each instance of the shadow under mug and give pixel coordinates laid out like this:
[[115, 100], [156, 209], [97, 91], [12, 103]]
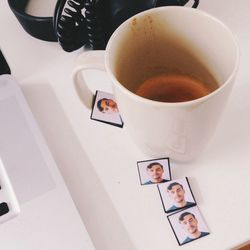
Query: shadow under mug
[[166, 39]]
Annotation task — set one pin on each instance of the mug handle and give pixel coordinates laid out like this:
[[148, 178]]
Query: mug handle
[[85, 61]]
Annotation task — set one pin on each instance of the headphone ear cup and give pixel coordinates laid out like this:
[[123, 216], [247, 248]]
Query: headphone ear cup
[[70, 24]]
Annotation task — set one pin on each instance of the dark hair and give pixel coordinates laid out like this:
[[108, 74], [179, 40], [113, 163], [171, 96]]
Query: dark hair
[[174, 184], [181, 218], [153, 164], [99, 104]]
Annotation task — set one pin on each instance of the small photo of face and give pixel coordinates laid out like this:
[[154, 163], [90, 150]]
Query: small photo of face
[[188, 225], [154, 171], [105, 109], [176, 195]]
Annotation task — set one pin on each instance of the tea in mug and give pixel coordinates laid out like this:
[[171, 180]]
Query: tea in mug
[[173, 87]]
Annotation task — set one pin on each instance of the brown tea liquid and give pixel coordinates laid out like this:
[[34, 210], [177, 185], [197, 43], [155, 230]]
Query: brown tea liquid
[[173, 88]]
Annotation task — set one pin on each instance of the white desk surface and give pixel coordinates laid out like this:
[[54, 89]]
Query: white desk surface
[[98, 161]]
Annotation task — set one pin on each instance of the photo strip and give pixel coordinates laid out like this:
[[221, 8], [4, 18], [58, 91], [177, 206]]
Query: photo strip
[[105, 109], [188, 225], [176, 195], [154, 171]]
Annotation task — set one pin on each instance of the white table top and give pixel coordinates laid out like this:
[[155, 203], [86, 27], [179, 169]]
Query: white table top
[[98, 161]]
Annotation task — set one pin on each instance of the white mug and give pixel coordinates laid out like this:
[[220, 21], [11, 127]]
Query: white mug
[[179, 39]]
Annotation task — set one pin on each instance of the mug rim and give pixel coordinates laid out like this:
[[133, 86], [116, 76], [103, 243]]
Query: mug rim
[[184, 103]]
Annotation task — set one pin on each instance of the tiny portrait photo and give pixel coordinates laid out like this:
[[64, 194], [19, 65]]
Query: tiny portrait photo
[[176, 195], [105, 109], [188, 225], [154, 171]]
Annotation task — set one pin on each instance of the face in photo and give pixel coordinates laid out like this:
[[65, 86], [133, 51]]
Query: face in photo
[[176, 195], [107, 106], [105, 109], [154, 171], [188, 225]]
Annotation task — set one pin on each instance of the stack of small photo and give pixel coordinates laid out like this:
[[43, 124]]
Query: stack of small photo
[[177, 199], [185, 218]]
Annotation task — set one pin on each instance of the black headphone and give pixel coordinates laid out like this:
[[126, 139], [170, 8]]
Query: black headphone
[[89, 23]]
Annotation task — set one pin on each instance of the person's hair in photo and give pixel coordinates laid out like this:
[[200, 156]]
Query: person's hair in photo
[[99, 104], [176, 195], [191, 225], [155, 171], [105, 109]]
